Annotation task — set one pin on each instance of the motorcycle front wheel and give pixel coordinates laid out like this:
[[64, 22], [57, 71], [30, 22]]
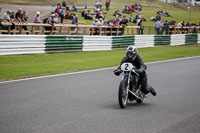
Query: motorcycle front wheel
[[122, 96]]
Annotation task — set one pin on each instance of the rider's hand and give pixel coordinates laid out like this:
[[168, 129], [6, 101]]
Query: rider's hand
[[139, 71], [117, 72]]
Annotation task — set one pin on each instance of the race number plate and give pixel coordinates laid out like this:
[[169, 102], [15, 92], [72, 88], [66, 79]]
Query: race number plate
[[126, 66]]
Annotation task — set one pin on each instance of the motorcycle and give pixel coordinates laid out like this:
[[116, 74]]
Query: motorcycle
[[129, 88]]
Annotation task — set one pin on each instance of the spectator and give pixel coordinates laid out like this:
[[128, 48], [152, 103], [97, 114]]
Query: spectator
[[37, 20], [179, 24], [75, 20], [52, 20], [62, 14], [116, 22], [74, 8], [98, 4], [6, 19], [107, 4], [125, 10], [152, 18], [97, 9], [96, 30], [37, 17], [131, 18], [164, 28], [138, 22], [24, 16], [58, 8], [6, 16], [64, 4], [19, 16], [117, 13], [68, 15], [158, 17], [124, 22], [158, 24], [101, 21], [95, 22], [141, 28], [88, 16]]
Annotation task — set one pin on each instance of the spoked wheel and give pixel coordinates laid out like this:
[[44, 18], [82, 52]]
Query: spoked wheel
[[122, 96]]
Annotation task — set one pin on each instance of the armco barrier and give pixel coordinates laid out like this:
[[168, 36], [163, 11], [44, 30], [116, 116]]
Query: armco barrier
[[96, 43], [198, 39], [122, 41], [162, 40], [178, 39], [30, 44], [22, 44], [144, 41], [191, 39], [61, 43]]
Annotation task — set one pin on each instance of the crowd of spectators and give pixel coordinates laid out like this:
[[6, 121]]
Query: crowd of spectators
[[97, 16], [11, 17], [137, 7]]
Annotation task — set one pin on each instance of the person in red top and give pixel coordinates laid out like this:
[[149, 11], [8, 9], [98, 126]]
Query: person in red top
[[107, 4]]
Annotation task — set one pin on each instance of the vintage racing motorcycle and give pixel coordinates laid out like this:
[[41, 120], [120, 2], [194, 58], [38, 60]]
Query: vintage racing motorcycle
[[129, 88]]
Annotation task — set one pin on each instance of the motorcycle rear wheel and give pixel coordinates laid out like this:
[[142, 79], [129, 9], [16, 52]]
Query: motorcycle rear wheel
[[122, 97]]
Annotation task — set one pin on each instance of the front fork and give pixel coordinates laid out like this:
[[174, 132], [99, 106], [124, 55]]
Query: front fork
[[128, 83]]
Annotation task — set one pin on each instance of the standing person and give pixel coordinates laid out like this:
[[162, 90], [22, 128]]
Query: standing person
[[96, 30], [164, 28], [158, 24], [37, 20], [62, 14], [107, 4], [141, 28], [75, 21], [37, 17], [136, 60]]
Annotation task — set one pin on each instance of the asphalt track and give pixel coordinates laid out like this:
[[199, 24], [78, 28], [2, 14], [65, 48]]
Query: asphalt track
[[87, 102]]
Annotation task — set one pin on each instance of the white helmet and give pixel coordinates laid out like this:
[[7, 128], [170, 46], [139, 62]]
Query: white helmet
[[131, 52]]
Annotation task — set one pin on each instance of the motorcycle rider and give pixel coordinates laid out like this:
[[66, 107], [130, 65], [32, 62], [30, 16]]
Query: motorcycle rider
[[133, 57]]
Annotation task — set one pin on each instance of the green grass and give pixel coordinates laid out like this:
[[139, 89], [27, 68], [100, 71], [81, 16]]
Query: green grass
[[23, 66], [179, 12]]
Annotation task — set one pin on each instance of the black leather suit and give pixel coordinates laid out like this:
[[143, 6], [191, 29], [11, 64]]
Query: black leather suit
[[138, 63]]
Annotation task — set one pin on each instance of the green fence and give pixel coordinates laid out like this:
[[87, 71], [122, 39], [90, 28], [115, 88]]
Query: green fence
[[191, 38], [122, 41], [63, 43], [162, 40]]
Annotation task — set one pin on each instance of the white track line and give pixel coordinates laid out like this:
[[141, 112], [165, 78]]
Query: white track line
[[72, 73]]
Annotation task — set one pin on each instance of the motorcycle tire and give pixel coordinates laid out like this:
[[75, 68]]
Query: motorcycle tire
[[123, 99]]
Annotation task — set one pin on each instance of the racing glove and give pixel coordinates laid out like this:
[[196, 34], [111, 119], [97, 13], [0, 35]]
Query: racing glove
[[139, 71], [117, 72]]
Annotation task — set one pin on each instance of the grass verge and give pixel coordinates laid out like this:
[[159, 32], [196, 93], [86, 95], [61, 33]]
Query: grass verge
[[23, 66]]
